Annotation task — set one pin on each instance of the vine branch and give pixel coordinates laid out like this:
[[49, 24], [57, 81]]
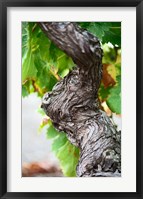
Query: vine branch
[[73, 103]]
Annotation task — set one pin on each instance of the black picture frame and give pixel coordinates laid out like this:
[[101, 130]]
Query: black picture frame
[[4, 4]]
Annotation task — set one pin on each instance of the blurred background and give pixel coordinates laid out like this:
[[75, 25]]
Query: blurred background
[[46, 152], [37, 157]]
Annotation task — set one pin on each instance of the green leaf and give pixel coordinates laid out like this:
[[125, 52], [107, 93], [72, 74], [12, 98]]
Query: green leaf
[[67, 154], [25, 92], [42, 61], [45, 79], [114, 99], [104, 92], [105, 31], [59, 142], [28, 67], [24, 38], [84, 25], [52, 132], [113, 35], [99, 28], [64, 62], [41, 111], [37, 60], [29, 70]]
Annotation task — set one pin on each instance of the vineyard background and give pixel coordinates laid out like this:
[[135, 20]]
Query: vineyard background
[[43, 64]]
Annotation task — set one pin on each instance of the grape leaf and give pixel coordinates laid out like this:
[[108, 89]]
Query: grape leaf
[[103, 92], [113, 35], [67, 153], [58, 142], [68, 156], [105, 31], [114, 99], [99, 28], [24, 38], [24, 91], [28, 67], [45, 79], [42, 61], [51, 132], [64, 62]]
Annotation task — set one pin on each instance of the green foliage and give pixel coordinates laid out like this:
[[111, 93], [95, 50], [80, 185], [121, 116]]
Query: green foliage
[[43, 64], [42, 61], [67, 154], [104, 92], [24, 91], [114, 99], [105, 31]]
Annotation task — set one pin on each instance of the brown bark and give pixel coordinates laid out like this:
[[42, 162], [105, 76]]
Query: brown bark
[[73, 103]]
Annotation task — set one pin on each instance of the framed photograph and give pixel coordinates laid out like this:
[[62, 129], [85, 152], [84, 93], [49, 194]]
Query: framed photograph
[[71, 99]]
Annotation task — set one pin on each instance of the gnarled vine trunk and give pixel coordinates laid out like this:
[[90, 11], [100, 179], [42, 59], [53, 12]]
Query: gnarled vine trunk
[[73, 104]]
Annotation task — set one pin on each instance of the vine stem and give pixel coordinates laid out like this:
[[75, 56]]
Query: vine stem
[[73, 103]]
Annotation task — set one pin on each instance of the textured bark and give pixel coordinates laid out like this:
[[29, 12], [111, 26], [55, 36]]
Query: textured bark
[[73, 103]]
